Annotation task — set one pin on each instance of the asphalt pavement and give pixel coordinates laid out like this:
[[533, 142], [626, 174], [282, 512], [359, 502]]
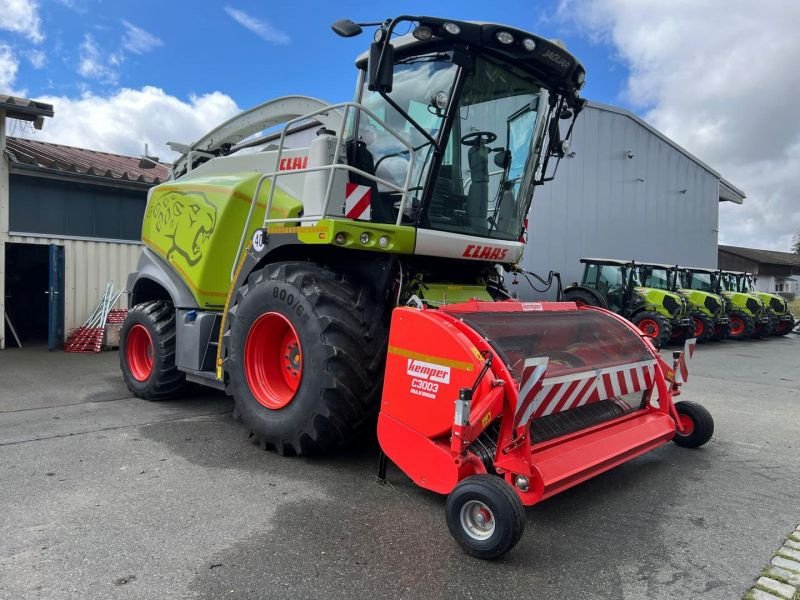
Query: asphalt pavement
[[107, 496]]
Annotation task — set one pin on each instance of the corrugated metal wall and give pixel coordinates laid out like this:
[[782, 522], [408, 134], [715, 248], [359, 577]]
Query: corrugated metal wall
[[604, 204], [88, 265]]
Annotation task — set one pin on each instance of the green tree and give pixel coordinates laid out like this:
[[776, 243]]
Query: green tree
[[796, 243]]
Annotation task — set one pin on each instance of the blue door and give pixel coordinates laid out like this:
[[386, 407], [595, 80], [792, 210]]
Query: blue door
[[55, 291]]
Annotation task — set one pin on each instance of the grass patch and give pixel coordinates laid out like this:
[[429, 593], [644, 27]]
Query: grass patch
[[765, 572], [794, 307]]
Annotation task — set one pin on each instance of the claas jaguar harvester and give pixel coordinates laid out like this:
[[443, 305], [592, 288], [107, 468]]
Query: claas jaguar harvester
[[305, 280]]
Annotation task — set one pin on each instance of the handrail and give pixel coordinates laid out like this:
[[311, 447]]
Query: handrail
[[273, 176]]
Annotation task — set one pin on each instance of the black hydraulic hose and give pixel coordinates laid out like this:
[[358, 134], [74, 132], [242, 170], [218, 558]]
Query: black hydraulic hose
[[547, 283]]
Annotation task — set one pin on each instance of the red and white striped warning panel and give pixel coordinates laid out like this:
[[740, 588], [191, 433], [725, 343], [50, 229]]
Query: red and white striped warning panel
[[683, 362], [557, 394], [357, 201], [532, 376]]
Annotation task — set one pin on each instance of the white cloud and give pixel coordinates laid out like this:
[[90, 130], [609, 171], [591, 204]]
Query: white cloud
[[22, 16], [123, 122], [37, 58], [93, 64], [137, 40], [261, 28], [720, 78], [8, 69]]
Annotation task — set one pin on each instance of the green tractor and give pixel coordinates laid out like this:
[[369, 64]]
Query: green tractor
[[614, 284], [747, 314], [706, 309], [781, 319], [271, 271]]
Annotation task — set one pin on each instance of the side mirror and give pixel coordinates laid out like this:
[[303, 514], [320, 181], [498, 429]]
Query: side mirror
[[380, 70], [346, 28], [502, 159]]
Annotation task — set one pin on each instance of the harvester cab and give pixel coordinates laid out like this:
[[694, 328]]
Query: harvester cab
[[283, 272], [659, 312], [706, 310], [747, 316], [781, 320]]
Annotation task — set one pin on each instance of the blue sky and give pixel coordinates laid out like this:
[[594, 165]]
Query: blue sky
[[196, 48]]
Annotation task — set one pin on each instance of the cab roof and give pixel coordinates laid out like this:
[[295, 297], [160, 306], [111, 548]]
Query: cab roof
[[608, 261], [548, 61]]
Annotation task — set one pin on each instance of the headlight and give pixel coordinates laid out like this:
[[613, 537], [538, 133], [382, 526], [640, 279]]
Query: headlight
[[504, 37]]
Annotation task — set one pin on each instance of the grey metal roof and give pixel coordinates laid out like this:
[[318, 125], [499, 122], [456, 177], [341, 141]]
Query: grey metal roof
[[24, 109], [727, 191], [46, 157], [771, 257]]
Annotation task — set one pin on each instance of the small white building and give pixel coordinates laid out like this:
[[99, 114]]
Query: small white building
[[70, 221]]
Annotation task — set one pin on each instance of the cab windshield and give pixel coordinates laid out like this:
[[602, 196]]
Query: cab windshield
[[700, 281], [418, 81], [488, 166], [656, 278], [487, 172], [729, 283]]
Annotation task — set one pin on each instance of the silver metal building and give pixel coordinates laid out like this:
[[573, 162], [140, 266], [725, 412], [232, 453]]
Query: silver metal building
[[625, 191]]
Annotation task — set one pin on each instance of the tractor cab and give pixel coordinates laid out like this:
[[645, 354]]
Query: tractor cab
[[658, 276], [612, 281]]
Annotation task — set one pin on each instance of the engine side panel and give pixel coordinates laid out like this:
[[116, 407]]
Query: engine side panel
[[196, 225]]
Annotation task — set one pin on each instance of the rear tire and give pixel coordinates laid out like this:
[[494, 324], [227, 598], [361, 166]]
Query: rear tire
[[703, 326], [147, 351], [485, 516], [721, 332], [700, 422], [742, 326], [581, 297], [785, 327], [654, 325], [337, 344]]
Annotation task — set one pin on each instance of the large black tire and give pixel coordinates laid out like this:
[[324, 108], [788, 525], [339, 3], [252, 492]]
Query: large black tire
[[655, 325], [341, 334], [703, 326], [721, 332], [785, 327], [763, 329], [742, 325], [774, 322], [702, 424], [485, 516], [157, 319], [581, 297]]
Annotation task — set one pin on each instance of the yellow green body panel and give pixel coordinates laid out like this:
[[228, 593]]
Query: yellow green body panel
[[697, 301], [443, 293], [654, 300], [777, 304], [196, 224], [350, 234]]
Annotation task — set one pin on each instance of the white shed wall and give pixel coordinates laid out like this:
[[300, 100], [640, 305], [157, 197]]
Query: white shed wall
[[88, 266]]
